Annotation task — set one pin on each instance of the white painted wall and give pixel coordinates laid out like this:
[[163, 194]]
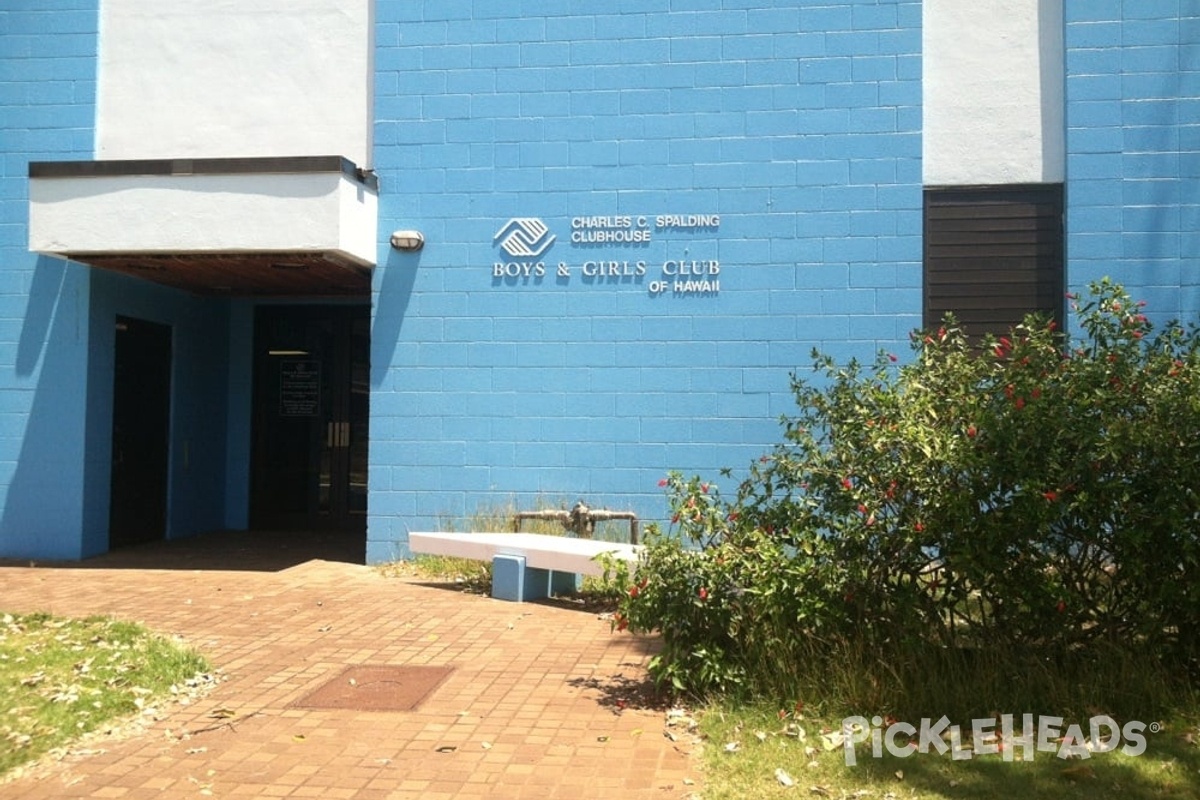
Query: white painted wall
[[233, 78], [286, 212], [993, 92]]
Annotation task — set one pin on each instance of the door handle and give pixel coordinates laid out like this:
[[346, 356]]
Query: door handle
[[337, 434]]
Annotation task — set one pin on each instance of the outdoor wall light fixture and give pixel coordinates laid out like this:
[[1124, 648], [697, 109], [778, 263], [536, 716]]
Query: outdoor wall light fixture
[[410, 241]]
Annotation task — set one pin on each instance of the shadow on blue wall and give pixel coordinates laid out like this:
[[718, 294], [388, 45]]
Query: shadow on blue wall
[[390, 306], [40, 519], [49, 274]]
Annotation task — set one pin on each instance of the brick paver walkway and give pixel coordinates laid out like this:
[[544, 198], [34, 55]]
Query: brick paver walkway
[[544, 701]]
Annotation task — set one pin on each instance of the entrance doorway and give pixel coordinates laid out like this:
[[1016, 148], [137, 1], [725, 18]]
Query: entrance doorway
[[137, 510], [311, 396]]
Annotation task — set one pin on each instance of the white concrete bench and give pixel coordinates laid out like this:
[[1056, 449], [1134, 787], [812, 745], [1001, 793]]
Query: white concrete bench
[[526, 566]]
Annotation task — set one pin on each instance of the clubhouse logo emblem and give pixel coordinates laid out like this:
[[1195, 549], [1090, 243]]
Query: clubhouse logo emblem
[[524, 237]]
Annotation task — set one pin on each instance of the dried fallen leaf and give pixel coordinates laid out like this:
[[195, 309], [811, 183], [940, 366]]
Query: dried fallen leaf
[[733, 747], [819, 791], [899, 774], [832, 740], [793, 729], [222, 713], [783, 778], [299, 737], [762, 737]]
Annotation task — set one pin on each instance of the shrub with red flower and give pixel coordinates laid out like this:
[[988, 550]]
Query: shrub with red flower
[[876, 523]]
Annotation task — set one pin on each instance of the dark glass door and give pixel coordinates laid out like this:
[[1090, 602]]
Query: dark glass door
[[311, 393], [137, 510]]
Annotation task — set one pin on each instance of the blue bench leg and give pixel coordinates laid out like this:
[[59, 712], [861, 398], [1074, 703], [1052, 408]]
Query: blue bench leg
[[564, 583], [512, 580]]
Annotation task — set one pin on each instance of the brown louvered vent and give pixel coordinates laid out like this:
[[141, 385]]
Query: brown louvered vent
[[993, 255]]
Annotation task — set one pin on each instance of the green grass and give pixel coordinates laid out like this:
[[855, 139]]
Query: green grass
[[746, 747], [63, 678]]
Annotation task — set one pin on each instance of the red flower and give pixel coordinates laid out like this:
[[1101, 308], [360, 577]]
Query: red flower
[[918, 526], [1062, 606], [862, 508], [633, 591], [1019, 403], [893, 358], [972, 431], [1036, 393], [662, 482], [1050, 495], [703, 593], [847, 483], [704, 488], [621, 622]]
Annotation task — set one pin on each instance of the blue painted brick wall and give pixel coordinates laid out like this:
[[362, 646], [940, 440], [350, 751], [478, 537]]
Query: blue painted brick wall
[[47, 96], [798, 124], [1133, 149]]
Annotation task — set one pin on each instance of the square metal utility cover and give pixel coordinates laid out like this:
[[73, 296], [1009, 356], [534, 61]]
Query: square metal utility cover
[[376, 688]]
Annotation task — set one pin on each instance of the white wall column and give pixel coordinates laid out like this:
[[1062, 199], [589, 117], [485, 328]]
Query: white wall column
[[993, 92]]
